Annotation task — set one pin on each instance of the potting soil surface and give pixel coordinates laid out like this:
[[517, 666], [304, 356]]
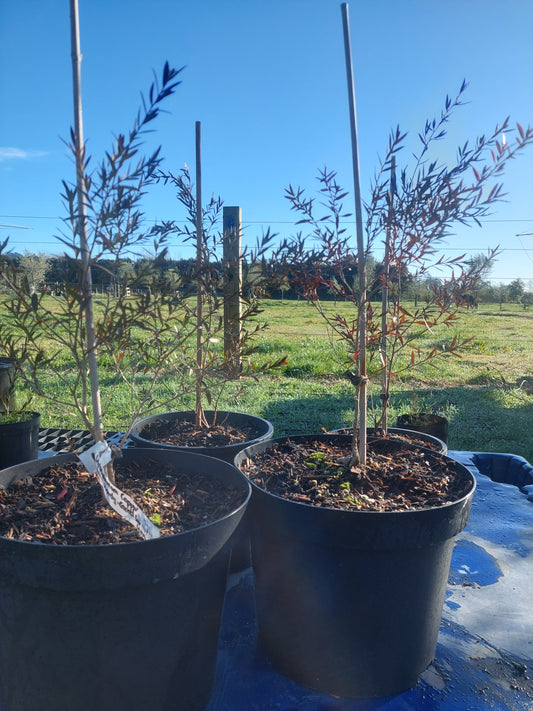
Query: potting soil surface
[[484, 656]]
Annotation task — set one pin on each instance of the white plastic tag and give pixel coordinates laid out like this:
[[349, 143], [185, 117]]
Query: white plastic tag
[[94, 460]]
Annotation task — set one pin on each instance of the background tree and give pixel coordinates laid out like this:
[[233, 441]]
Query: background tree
[[35, 268], [527, 299], [516, 290]]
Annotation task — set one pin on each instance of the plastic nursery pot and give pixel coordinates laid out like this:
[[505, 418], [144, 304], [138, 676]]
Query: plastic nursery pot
[[434, 443], [19, 441], [128, 626], [349, 602], [263, 430], [262, 427], [427, 422]]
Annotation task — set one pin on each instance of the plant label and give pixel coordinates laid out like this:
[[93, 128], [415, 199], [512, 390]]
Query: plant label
[[95, 460]]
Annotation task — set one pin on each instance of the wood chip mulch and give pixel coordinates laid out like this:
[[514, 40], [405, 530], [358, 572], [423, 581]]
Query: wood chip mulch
[[394, 479], [187, 434], [63, 504]]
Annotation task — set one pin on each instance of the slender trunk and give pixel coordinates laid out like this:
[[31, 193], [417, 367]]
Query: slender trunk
[[360, 454], [385, 375], [86, 277]]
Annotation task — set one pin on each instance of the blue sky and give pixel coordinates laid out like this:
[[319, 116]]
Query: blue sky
[[267, 81]]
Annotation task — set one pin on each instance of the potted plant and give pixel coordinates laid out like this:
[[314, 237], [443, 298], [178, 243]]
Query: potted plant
[[430, 423], [214, 371], [350, 559], [19, 427], [19, 437], [105, 603]]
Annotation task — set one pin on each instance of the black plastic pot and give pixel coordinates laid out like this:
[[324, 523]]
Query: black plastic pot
[[426, 422], [349, 603], [435, 443], [241, 540], [19, 441], [227, 453], [128, 627]]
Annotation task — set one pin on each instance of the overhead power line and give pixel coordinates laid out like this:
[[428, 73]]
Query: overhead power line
[[247, 222]]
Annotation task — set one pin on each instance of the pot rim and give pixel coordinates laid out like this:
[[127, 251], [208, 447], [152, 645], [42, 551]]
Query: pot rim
[[399, 430], [138, 426]]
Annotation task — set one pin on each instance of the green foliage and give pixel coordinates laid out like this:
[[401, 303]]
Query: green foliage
[[139, 336], [34, 267], [494, 387], [515, 290], [7, 418], [222, 355], [411, 216]]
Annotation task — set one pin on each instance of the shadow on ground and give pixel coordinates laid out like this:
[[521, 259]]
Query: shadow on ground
[[477, 419]]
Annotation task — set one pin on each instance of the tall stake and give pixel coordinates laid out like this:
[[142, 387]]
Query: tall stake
[[385, 385], [361, 393], [86, 278], [199, 291]]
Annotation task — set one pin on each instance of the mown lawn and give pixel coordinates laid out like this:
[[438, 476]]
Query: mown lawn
[[487, 393]]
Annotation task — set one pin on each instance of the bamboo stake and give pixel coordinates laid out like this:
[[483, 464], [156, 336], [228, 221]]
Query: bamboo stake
[[361, 395], [199, 291], [385, 384], [86, 278]]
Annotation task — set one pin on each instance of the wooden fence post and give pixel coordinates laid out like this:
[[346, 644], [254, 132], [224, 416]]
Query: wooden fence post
[[231, 221]]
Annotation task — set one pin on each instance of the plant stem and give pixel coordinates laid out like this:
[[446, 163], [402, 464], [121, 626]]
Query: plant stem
[[385, 384]]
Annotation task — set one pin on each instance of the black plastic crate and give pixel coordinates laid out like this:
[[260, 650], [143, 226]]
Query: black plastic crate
[[58, 440]]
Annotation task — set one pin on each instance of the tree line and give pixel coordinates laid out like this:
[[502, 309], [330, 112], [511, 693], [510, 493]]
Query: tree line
[[51, 273]]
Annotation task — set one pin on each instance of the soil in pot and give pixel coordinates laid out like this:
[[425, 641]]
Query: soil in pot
[[351, 564], [63, 505], [394, 479], [186, 434], [223, 438], [132, 625]]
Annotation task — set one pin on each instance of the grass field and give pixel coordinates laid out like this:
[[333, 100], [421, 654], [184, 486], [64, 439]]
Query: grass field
[[487, 394]]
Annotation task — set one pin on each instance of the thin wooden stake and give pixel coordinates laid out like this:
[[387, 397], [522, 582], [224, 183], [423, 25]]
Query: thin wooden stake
[[200, 418], [231, 235], [361, 395], [86, 278]]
